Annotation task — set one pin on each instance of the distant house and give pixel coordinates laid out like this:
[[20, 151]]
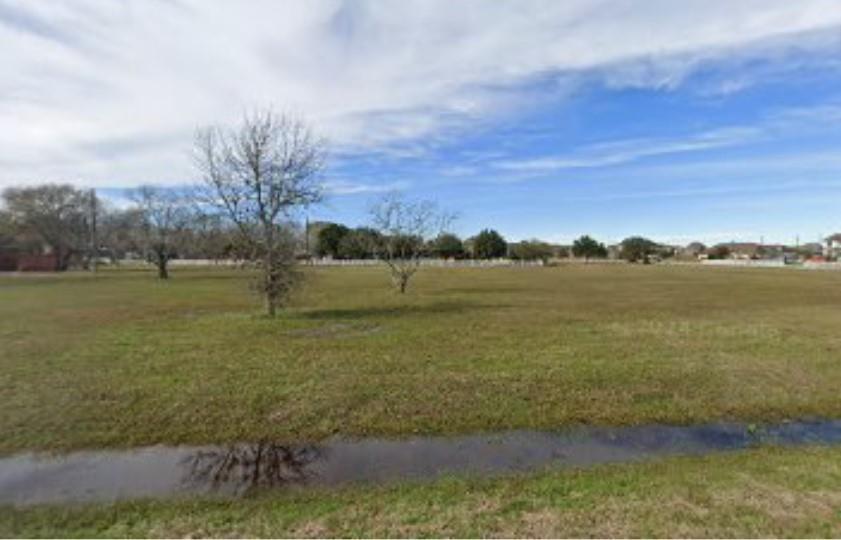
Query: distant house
[[832, 251], [695, 248], [739, 250], [773, 250], [692, 251], [665, 251], [749, 251], [812, 249]]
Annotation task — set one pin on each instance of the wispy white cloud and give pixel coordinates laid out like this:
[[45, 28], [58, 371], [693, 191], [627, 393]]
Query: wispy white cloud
[[719, 192], [625, 151], [393, 77], [782, 123], [813, 163], [346, 187], [458, 170]]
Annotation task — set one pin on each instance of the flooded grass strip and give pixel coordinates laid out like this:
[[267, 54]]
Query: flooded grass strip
[[238, 469]]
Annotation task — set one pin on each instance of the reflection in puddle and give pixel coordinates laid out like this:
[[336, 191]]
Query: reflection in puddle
[[235, 470], [239, 468]]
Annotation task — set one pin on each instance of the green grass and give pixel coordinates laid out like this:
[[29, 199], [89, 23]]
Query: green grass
[[760, 493], [122, 359]]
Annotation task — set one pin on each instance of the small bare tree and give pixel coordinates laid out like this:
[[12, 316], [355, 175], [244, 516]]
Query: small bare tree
[[257, 175], [163, 215], [404, 226]]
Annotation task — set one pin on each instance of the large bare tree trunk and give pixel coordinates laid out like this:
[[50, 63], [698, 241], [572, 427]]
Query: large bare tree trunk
[[163, 272], [270, 279], [64, 256]]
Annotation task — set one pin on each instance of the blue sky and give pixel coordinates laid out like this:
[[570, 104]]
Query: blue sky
[[702, 160], [681, 121]]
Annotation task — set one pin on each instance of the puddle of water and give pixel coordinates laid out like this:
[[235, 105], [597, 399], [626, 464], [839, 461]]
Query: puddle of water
[[235, 470]]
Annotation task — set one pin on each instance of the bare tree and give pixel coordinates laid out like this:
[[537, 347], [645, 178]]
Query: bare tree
[[257, 175], [119, 232], [163, 215], [403, 226]]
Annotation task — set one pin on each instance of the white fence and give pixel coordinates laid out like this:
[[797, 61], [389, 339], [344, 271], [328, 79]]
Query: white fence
[[443, 263], [204, 262], [810, 265], [492, 263], [739, 263], [595, 261], [760, 263]]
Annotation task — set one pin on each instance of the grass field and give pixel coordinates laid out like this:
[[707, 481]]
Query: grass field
[[121, 359]]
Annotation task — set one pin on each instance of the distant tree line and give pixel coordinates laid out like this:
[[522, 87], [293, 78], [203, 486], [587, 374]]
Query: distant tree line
[[338, 241], [163, 224], [80, 228]]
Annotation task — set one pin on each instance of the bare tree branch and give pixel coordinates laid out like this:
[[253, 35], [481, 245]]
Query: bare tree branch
[[256, 176], [404, 226], [164, 214]]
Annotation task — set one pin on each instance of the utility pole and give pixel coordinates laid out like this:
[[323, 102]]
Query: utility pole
[[94, 249]]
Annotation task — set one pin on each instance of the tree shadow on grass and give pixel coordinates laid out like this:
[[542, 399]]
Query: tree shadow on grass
[[438, 308]]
